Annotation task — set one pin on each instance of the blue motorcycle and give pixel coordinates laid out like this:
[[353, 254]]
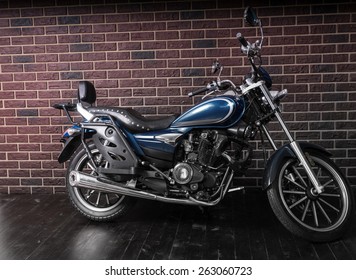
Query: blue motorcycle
[[117, 155]]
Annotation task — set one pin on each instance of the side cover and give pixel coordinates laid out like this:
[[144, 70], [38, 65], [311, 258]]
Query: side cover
[[113, 146]]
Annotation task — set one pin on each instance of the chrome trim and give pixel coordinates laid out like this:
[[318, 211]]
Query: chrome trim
[[168, 138], [258, 84], [84, 113]]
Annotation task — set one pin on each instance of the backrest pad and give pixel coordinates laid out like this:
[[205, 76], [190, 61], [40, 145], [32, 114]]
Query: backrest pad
[[86, 92]]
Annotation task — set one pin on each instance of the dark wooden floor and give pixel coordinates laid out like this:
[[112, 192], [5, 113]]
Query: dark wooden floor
[[242, 227]]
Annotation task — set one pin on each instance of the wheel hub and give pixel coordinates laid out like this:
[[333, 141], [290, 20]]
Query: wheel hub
[[312, 194]]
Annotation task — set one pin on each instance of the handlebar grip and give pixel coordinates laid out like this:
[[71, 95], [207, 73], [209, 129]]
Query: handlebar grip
[[190, 94], [242, 39]]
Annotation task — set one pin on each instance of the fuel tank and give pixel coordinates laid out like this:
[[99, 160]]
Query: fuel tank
[[217, 112]]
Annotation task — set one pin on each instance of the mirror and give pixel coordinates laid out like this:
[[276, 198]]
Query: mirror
[[215, 67], [251, 17]]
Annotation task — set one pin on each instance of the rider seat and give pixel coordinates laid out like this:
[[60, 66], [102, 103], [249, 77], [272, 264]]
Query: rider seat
[[133, 120], [129, 118]]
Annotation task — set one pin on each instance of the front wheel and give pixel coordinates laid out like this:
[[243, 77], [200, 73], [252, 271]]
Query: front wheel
[[319, 218]]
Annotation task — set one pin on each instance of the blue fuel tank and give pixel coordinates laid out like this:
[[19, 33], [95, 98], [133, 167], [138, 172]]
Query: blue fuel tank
[[217, 112]]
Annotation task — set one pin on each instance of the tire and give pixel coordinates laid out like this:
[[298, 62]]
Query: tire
[[317, 218], [95, 205]]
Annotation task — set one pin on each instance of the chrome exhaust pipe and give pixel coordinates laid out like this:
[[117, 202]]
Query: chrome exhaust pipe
[[82, 180]]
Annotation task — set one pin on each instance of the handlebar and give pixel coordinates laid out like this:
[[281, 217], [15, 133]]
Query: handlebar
[[215, 85], [193, 93], [242, 40], [247, 48]]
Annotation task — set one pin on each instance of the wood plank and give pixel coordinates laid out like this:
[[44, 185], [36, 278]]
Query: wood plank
[[340, 251], [143, 222], [166, 241], [241, 234], [241, 227], [181, 241], [255, 226], [324, 251], [18, 221], [271, 228], [40, 226]]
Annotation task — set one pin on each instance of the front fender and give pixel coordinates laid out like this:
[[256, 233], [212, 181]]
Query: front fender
[[69, 148], [273, 164]]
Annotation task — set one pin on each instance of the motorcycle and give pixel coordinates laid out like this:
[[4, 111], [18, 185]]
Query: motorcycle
[[117, 155]]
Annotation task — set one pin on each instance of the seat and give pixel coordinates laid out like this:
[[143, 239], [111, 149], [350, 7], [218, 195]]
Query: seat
[[133, 120]]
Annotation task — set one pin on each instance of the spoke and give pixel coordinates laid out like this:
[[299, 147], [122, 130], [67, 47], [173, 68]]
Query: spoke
[[330, 194], [91, 166], [328, 204], [298, 202], [305, 210], [323, 211], [107, 199], [295, 183], [315, 214], [88, 194], [294, 192], [98, 199], [328, 182], [300, 176], [318, 173]]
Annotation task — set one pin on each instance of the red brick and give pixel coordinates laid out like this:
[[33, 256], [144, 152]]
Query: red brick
[[44, 21], [13, 86], [19, 173], [35, 86], [106, 65], [12, 68], [47, 58], [117, 18], [131, 83], [22, 40], [119, 74], [17, 138], [92, 18], [24, 76], [8, 130]]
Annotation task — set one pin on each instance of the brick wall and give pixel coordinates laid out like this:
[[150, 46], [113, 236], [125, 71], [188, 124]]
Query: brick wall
[[149, 54]]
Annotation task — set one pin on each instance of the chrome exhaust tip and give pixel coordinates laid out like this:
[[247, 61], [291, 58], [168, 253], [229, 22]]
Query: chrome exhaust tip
[[74, 178]]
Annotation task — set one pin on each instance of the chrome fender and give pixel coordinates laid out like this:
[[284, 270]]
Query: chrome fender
[[285, 152]]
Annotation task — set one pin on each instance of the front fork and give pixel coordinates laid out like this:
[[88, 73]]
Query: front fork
[[318, 188]]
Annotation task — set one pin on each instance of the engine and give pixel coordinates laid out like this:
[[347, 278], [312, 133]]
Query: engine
[[203, 158], [201, 163]]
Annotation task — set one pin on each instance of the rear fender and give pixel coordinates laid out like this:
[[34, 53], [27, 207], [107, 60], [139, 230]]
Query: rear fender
[[273, 164], [72, 143]]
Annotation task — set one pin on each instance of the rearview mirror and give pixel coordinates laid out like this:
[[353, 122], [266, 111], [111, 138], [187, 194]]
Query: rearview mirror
[[215, 67], [251, 17]]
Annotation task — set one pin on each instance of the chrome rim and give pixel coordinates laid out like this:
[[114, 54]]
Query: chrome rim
[[324, 212], [93, 199]]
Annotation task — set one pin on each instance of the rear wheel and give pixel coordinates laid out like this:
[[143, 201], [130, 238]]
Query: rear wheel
[[93, 204], [316, 217]]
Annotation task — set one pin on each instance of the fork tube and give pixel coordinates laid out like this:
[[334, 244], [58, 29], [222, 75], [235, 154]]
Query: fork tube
[[269, 138], [276, 112], [318, 188]]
